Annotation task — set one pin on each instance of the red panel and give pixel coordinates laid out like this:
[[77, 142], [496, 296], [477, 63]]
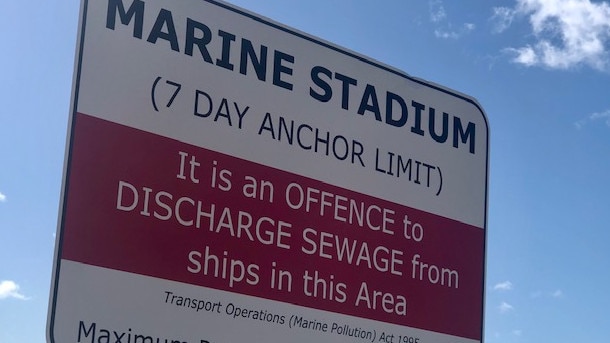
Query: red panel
[[97, 232]]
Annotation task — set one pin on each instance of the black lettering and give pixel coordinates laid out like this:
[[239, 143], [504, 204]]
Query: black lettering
[[201, 42], [346, 82], [442, 138], [417, 125], [227, 38], [135, 10], [248, 54], [279, 69], [164, 19], [369, 102], [301, 144], [208, 100], [104, 336], [464, 136], [267, 125], [324, 86], [86, 332], [118, 338], [389, 110], [143, 339]]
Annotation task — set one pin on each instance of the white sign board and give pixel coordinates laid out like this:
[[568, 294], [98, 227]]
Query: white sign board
[[232, 179]]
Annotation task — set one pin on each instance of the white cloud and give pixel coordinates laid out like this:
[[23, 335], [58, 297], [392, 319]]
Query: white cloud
[[568, 33], [503, 286], [444, 28], [517, 332], [505, 307], [454, 34], [2, 197], [603, 116], [9, 289], [557, 294], [503, 17], [525, 55], [445, 34], [437, 11]]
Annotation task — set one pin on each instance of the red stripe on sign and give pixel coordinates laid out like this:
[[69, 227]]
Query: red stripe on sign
[[150, 205]]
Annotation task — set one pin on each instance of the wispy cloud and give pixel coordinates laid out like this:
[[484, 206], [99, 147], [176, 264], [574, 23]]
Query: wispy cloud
[[505, 307], [557, 294], [603, 116], [449, 33], [502, 18], [2, 197], [567, 33], [444, 29], [9, 289], [437, 11], [503, 286], [517, 332]]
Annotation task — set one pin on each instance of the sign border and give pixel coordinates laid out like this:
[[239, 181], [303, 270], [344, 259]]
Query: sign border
[[284, 28]]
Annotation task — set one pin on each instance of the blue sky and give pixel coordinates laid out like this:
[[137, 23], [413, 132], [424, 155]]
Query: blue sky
[[539, 68]]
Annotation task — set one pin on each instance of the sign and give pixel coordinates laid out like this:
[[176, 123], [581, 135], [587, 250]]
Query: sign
[[232, 179]]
